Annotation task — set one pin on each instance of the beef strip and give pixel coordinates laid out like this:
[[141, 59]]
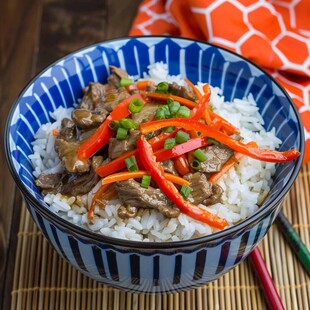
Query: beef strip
[[112, 98], [119, 147], [72, 184], [116, 75], [66, 145], [217, 157], [132, 194], [84, 118], [147, 112], [182, 91], [92, 95], [204, 192], [168, 166]]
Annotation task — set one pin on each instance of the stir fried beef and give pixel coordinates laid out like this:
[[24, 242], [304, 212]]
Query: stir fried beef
[[116, 75], [119, 147], [181, 91], [66, 145], [92, 94], [217, 157], [146, 113], [132, 194], [204, 192], [168, 166], [84, 118], [112, 98], [71, 183]]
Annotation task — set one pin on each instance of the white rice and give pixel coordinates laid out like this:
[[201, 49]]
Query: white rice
[[245, 186]]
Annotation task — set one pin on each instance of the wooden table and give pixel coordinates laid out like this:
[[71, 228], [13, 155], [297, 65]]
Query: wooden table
[[34, 33]]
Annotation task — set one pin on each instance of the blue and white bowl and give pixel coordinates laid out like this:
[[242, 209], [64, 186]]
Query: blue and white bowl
[[141, 266]]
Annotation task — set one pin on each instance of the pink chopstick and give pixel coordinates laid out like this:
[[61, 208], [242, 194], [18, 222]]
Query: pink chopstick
[[271, 294]]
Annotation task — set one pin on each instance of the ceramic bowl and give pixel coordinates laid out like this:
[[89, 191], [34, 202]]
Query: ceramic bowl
[[137, 266]]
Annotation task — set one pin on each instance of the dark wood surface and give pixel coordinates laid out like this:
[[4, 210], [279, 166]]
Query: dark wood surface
[[34, 33]]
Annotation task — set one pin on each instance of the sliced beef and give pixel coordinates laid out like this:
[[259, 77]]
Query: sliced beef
[[127, 212], [84, 118], [92, 95], [217, 157], [204, 192], [49, 182], [119, 147], [132, 194], [73, 184], [116, 75], [168, 166], [181, 91], [112, 98], [147, 112]]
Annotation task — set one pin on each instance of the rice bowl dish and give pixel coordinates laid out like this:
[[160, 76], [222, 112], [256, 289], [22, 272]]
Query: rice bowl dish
[[245, 186]]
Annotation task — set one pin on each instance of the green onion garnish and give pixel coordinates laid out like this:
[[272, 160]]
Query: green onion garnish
[[114, 125], [200, 155], [146, 181], [128, 123], [181, 137], [184, 112], [211, 140], [174, 106], [195, 164], [169, 143], [185, 191], [125, 82], [160, 114], [121, 133], [131, 164], [168, 129], [135, 105], [162, 87]]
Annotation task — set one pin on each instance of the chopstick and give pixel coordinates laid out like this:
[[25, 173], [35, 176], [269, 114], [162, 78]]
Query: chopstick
[[271, 294], [293, 239]]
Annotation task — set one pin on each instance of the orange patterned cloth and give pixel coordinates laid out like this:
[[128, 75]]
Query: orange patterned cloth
[[274, 34]]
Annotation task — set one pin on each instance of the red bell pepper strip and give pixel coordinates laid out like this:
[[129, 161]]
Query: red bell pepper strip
[[158, 141], [181, 164], [182, 148], [254, 152], [165, 97], [227, 125], [102, 135], [156, 172]]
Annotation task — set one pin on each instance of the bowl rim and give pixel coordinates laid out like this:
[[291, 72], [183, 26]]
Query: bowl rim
[[90, 235]]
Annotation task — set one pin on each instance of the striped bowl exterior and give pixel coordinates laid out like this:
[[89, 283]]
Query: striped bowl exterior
[[136, 266]]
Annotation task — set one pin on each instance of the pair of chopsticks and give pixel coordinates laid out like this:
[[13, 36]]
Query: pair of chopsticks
[[299, 248]]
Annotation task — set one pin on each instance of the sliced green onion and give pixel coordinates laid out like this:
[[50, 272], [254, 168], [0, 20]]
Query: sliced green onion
[[128, 123], [125, 82], [195, 164], [162, 87], [211, 140], [131, 164], [184, 112], [121, 133], [146, 181], [174, 106], [181, 137], [185, 191], [200, 155], [160, 114], [114, 125], [168, 129], [135, 105], [169, 143]]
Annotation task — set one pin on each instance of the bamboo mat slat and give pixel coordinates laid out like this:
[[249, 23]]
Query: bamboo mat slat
[[43, 280]]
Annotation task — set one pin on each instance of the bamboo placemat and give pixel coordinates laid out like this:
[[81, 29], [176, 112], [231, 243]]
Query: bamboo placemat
[[43, 280]]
